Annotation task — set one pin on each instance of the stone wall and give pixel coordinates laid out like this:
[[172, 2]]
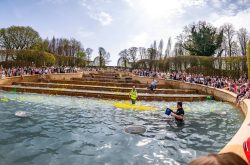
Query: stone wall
[[63, 76], [10, 80], [35, 78]]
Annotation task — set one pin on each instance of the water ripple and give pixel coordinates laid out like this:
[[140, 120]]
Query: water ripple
[[75, 130]]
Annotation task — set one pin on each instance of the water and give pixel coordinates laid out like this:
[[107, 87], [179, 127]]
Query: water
[[73, 130]]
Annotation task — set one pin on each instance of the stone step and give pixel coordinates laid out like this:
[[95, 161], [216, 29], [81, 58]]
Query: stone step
[[106, 80], [101, 76], [115, 75], [104, 95], [98, 83], [105, 88]]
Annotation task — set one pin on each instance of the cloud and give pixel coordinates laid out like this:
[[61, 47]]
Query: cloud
[[217, 3], [243, 2], [158, 19], [95, 11], [85, 4], [53, 1], [84, 33], [130, 3], [163, 8], [103, 17], [139, 40], [239, 20]]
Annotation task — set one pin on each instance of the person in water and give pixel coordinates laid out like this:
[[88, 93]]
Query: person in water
[[179, 114], [133, 95]]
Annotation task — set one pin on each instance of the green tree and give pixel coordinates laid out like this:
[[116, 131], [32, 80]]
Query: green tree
[[203, 39], [18, 38], [81, 55]]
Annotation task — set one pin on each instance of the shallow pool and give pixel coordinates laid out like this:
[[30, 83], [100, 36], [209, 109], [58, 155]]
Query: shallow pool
[[74, 130]]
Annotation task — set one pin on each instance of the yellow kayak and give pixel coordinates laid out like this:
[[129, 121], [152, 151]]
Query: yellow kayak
[[126, 105]]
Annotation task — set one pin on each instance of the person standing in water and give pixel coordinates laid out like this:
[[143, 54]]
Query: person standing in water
[[133, 95], [179, 114]]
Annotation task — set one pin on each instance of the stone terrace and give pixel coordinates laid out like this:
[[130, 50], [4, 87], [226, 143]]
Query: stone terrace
[[105, 85]]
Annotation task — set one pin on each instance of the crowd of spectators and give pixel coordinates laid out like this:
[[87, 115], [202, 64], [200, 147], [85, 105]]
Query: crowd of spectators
[[147, 73], [113, 69], [21, 71], [239, 86]]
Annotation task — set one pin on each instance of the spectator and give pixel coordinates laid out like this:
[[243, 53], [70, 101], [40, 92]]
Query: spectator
[[153, 85]]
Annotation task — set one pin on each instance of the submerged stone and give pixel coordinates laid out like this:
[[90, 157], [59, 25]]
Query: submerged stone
[[135, 129]]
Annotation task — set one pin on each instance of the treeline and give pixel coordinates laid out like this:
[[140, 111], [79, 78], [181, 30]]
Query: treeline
[[198, 39], [23, 46], [63, 46], [203, 39]]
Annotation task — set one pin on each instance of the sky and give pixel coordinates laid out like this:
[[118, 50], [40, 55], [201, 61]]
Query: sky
[[120, 24]]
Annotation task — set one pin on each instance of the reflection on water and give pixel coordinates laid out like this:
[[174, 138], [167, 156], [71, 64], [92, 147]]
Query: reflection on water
[[71, 130]]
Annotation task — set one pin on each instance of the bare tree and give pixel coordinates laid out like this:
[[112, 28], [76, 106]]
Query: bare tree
[[181, 40], [142, 53], [168, 49], [133, 55], [235, 48], [65, 47], [107, 58], [229, 33], [160, 49], [155, 45], [124, 57], [101, 52], [243, 38], [52, 45], [89, 51], [104, 57], [178, 49], [152, 53]]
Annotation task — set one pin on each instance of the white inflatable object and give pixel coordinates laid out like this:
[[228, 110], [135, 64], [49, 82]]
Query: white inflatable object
[[22, 114]]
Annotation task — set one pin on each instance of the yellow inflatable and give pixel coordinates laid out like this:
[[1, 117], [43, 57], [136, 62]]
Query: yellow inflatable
[[127, 105]]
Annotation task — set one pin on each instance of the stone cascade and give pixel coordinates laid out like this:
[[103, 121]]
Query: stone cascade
[[105, 85]]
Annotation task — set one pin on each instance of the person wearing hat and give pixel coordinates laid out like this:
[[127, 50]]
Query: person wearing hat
[[133, 95], [179, 114]]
